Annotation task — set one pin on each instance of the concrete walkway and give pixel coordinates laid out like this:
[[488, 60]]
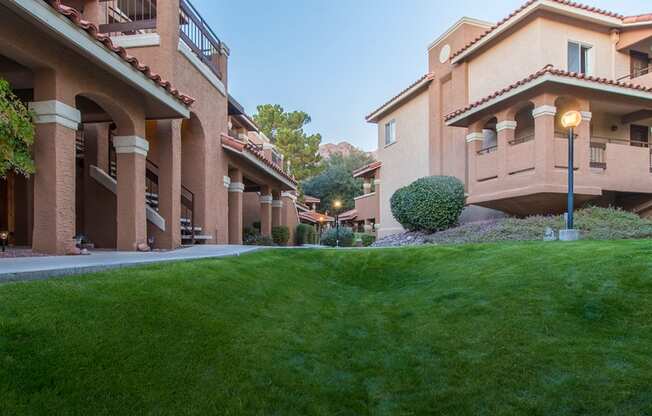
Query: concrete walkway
[[35, 268]]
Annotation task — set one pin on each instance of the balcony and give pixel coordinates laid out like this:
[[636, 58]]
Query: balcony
[[139, 17], [367, 207], [641, 76]]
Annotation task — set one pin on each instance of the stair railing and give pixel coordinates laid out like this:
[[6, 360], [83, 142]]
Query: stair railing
[[151, 182], [188, 209]]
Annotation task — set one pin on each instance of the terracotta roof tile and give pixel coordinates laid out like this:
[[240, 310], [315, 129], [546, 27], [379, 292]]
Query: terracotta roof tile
[[638, 19], [314, 217], [548, 69], [525, 6], [240, 146], [74, 16], [423, 78], [368, 168]]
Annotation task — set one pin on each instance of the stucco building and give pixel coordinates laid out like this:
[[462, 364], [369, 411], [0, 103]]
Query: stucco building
[[122, 156], [488, 112]]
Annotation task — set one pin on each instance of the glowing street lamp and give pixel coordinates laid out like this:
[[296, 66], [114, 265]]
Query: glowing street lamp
[[570, 121], [337, 204]]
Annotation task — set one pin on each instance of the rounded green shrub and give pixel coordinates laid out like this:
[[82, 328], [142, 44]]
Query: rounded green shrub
[[304, 234], [368, 239], [330, 236], [281, 235], [429, 204]]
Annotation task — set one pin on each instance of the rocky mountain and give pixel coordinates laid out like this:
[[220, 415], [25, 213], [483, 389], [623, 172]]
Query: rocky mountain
[[344, 148]]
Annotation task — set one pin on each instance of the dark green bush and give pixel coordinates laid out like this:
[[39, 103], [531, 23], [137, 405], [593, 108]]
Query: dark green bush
[[346, 237], [280, 235], [304, 234], [367, 239], [429, 204]]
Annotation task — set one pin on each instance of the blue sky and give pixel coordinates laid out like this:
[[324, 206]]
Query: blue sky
[[339, 59]]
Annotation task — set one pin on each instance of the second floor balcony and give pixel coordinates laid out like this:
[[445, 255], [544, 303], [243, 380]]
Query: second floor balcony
[[518, 149], [131, 18]]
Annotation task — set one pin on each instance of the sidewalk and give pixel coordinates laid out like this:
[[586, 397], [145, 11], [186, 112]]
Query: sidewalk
[[34, 268]]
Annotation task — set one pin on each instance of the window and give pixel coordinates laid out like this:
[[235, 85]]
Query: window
[[578, 58], [390, 132]]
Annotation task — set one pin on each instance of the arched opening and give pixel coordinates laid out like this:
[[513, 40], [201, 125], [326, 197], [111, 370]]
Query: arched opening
[[16, 190], [490, 135], [96, 170], [524, 124]]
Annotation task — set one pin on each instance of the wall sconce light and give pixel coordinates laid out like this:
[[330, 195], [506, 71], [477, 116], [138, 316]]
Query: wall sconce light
[[614, 128]]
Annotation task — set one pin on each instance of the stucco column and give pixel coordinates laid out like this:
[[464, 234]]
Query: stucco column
[[131, 152], [473, 143], [265, 211], [168, 136], [277, 207], [583, 142], [544, 134], [236, 189], [506, 129], [54, 181]]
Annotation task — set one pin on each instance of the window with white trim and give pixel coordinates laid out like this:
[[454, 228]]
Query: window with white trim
[[390, 132], [579, 58]]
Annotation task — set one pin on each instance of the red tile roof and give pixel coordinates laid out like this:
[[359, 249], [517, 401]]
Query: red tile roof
[[367, 169], [241, 147], [638, 19], [548, 69], [427, 77], [315, 217], [74, 16], [348, 215], [311, 199], [528, 4]]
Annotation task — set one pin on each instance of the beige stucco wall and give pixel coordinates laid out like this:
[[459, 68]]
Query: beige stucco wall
[[539, 42], [406, 159]]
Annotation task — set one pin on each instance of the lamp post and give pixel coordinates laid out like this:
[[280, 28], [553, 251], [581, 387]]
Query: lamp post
[[4, 236], [337, 204], [570, 121], [321, 227]]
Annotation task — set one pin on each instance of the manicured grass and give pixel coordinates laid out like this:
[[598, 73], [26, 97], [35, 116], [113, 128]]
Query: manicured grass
[[500, 329]]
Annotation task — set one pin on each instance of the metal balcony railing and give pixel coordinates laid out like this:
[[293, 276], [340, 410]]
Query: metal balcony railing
[[636, 73], [196, 33], [128, 17]]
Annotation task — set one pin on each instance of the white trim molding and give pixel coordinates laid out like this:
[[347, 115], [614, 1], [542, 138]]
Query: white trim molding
[[227, 181], [266, 199], [474, 137], [544, 110], [586, 115], [506, 125], [457, 25], [236, 187], [90, 47], [201, 67], [137, 41], [130, 144], [54, 111], [277, 203]]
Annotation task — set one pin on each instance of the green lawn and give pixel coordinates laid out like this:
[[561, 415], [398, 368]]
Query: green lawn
[[500, 329]]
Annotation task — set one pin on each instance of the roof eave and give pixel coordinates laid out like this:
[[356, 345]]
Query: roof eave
[[549, 5], [464, 119], [84, 43], [399, 100]]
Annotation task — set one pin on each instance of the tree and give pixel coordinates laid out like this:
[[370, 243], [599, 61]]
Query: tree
[[285, 130], [336, 180], [16, 134]]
